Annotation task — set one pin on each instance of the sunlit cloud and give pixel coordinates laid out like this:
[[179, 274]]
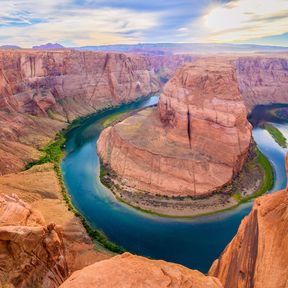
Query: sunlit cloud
[[93, 22], [245, 19], [81, 26]]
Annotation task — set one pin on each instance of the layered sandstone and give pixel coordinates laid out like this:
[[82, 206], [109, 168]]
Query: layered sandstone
[[128, 270], [39, 187], [263, 79], [41, 91], [178, 149], [257, 255], [32, 253]]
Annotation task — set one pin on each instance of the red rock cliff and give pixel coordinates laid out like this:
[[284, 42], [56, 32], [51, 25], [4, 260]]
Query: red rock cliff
[[32, 253], [41, 91], [257, 255], [263, 80]]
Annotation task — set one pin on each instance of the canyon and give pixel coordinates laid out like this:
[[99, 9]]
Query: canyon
[[255, 258], [41, 92], [201, 113]]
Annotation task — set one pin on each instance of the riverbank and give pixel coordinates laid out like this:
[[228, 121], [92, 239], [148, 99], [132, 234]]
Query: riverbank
[[255, 179], [54, 152], [275, 133]]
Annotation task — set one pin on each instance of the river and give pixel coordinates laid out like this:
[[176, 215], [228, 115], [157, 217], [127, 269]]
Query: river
[[193, 242]]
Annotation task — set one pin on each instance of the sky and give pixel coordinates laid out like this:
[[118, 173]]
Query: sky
[[75, 23]]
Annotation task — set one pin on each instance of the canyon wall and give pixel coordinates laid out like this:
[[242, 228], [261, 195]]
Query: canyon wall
[[200, 114], [257, 255], [41, 91], [263, 79], [63, 82]]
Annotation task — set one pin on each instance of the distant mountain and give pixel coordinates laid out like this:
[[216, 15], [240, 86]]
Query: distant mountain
[[159, 48], [9, 47], [49, 46]]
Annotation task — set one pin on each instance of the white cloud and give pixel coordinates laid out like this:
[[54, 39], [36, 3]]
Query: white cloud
[[245, 19], [65, 22]]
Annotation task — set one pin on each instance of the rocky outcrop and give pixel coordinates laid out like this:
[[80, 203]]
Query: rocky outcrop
[[177, 149], [257, 255], [263, 80], [31, 252], [39, 187], [128, 270]]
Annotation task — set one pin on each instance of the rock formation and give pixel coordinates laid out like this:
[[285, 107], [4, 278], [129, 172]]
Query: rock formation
[[32, 253], [263, 80], [39, 187], [178, 149], [257, 255], [40, 91], [128, 270]]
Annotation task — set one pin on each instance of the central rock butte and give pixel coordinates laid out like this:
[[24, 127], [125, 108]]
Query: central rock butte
[[195, 142]]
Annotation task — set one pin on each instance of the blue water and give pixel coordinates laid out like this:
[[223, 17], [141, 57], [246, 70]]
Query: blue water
[[192, 242]]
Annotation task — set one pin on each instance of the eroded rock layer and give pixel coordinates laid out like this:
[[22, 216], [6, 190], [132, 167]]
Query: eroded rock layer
[[41, 91], [263, 80], [128, 270], [31, 252], [257, 255], [193, 144]]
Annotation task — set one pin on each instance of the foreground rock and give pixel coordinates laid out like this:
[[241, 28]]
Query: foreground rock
[[128, 270], [39, 187], [32, 253], [177, 149], [257, 257]]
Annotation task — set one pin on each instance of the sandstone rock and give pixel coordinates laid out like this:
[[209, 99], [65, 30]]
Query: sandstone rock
[[193, 145], [257, 255], [39, 188], [40, 91], [31, 253], [263, 80], [128, 270]]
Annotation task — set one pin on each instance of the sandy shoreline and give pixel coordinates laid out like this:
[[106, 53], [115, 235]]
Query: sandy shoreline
[[178, 208]]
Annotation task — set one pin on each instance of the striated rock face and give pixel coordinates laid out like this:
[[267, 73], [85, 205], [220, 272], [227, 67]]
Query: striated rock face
[[257, 255], [177, 149], [42, 82], [39, 187], [263, 80], [128, 270], [31, 252], [40, 91]]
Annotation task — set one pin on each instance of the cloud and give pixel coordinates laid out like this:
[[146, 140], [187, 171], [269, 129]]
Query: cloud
[[91, 22], [52, 22], [242, 20]]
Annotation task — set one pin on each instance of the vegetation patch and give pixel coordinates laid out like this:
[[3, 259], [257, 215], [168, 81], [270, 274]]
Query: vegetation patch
[[110, 119], [267, 180], [276, 134]]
